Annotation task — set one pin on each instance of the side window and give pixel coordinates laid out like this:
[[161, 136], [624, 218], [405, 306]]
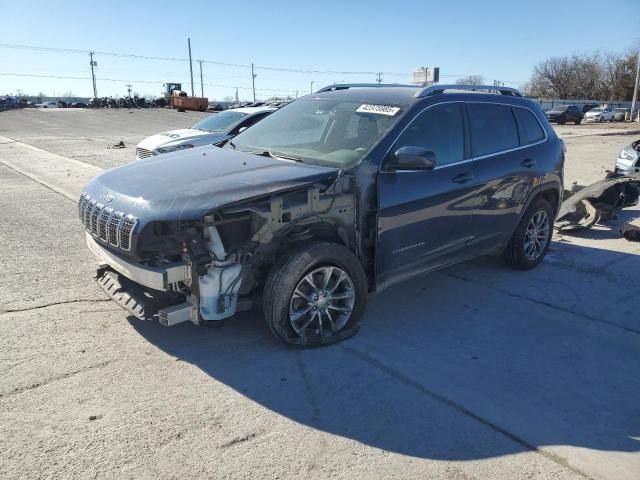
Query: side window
[[529, 128], [439, 129], [493, 128], [250, 121]]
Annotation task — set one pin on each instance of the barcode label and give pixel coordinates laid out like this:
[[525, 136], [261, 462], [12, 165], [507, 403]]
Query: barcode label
[[379, 109]]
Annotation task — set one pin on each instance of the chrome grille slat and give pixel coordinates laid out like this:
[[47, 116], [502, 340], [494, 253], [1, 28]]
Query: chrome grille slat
[[95, 213], [82, 204], [144, 153], [87, 213], [114, 228], [102, 223], [128, 223]]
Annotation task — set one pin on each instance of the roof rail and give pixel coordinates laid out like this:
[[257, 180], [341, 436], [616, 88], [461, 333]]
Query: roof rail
[[345, 86], [437, 89]]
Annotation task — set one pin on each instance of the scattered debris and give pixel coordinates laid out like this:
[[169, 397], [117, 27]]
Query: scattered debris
[[597, 202], [630, 232], [120, 144]]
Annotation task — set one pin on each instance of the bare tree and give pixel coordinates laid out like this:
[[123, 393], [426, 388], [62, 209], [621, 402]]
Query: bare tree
[[596, 77], [471, 80]]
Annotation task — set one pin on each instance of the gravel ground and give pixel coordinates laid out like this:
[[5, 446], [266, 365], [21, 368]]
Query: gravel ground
[[473, 372]]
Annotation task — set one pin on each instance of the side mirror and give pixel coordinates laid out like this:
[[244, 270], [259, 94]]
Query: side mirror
[[413, 158]]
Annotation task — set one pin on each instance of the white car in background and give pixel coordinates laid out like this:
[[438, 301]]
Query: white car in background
[[599, 114], [208, 131], [47, 105]]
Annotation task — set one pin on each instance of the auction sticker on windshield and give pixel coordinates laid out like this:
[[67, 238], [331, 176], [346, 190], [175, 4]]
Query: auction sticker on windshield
[[379, 109]]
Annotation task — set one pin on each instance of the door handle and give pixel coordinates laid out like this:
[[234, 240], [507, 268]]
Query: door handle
[[462, 178], [528, 163]]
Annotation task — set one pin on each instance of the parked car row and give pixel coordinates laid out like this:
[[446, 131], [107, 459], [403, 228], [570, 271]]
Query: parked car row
[[575, 114], [315, 204]]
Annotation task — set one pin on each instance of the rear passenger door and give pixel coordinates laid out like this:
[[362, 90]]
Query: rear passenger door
[[505, 144]]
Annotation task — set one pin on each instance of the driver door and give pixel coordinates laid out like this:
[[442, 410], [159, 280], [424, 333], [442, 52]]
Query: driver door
[[424, 216]]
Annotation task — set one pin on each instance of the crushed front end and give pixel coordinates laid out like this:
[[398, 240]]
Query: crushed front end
[[208, 268]]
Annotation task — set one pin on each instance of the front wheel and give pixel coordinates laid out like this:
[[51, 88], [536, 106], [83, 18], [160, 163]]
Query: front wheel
[[531, 239], [315, 295]]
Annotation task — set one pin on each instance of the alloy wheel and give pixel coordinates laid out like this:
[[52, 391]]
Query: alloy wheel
[[537, 235], [322, 302]]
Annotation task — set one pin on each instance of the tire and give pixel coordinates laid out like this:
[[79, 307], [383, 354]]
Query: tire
[[519, 254], [561, 122], [578, 121], [289, 287]]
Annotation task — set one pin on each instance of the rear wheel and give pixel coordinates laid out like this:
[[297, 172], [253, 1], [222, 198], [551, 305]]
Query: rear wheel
[[315, 295], [532, 237]]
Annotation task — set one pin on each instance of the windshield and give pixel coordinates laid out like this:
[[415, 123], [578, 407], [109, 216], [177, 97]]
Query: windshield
[[219, 122], [599, 109], [320, 131]]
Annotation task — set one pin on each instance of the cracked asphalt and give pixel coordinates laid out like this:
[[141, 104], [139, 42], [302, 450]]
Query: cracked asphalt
[[473, 372]]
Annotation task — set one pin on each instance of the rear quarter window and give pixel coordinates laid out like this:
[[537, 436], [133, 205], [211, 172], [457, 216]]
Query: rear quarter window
[[528, 126], [492, 127]]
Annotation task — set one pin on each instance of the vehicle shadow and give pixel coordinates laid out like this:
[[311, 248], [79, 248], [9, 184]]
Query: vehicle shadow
[[444, 368]]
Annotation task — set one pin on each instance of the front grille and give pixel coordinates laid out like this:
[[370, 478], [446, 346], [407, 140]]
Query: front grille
[[144, 153], [102, 222]]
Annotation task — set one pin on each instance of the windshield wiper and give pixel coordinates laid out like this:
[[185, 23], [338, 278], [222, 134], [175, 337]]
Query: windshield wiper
[[269, 153]]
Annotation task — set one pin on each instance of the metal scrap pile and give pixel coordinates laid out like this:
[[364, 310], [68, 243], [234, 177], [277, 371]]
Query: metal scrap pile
[[600, 201]]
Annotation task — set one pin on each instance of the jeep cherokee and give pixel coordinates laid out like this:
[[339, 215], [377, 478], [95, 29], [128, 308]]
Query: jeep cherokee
[[340, 193]]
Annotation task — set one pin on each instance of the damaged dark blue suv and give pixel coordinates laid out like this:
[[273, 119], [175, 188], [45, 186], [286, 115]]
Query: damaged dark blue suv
[[339, 193]]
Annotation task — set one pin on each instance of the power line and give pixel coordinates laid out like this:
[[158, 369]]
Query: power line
[[214, 62], [65, 77]]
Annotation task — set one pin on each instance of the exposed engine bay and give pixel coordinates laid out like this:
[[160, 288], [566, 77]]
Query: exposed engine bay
[[210, 269]]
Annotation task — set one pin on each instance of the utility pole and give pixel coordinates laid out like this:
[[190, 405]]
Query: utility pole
[[253, 82], [635, 89], [237, 97], [311, 89], [296, 93], [93, 75], [190, 66], [201, 82], [379, 78], [129, 88]]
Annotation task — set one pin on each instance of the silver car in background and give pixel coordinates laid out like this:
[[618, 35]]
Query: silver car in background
[[208, 131], [627, 162]]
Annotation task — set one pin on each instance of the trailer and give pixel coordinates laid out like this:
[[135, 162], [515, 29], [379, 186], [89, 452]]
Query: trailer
[[199, 104]]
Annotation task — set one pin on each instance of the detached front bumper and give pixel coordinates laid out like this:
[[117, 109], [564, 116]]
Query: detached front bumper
[[157, 278]]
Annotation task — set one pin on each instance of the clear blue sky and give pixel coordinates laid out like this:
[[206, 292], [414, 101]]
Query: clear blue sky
[[497, 39]]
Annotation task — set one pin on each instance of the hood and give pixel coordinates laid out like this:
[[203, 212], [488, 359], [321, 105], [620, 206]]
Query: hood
[[555, 112], [178, 137], [187, 184], [593, 114]]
